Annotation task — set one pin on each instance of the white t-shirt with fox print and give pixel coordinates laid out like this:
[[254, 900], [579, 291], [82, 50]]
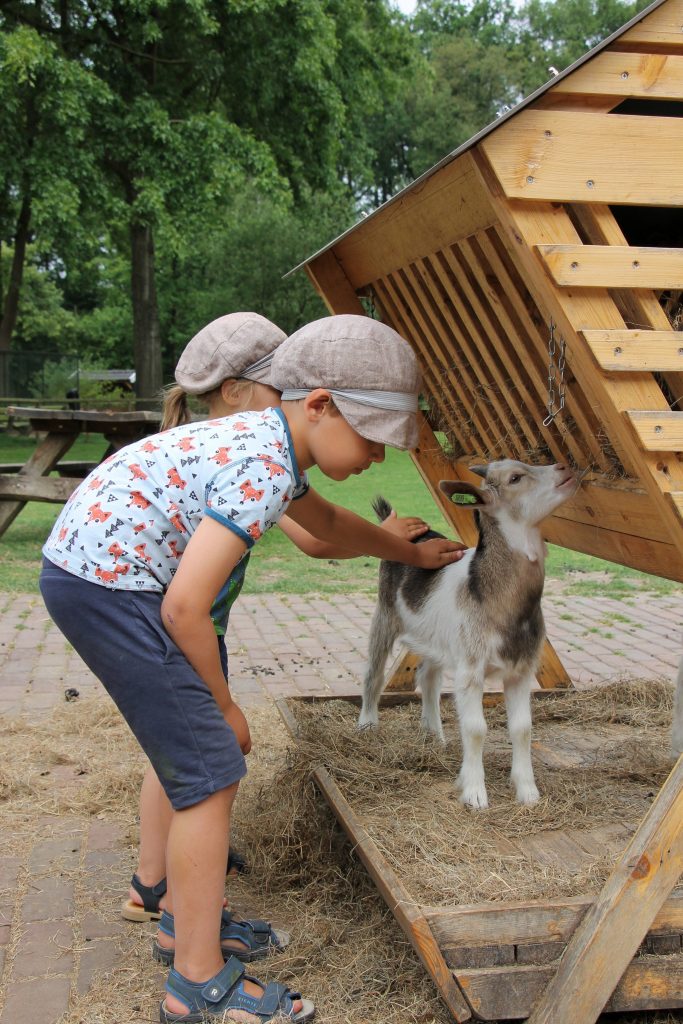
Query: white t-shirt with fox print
[[127, 525]]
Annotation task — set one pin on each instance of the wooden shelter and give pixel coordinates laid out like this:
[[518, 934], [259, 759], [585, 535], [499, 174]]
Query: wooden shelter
[[538, 272]]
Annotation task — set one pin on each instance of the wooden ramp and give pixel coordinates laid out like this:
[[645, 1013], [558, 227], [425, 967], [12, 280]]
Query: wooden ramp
[[501, 960]]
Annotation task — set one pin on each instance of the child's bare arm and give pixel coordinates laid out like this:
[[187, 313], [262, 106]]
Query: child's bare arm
[[407, 527], [338, 525], [206, 564]]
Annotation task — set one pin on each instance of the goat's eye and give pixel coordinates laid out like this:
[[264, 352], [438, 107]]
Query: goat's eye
[[515, 478]]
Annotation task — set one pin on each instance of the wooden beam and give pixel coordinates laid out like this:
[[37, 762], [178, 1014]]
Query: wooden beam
[[332, 284], [565, 156], [614, 926], [24, 487], [42, 462], [644, 75], [659, 30], [636, 351], [396, 896], [612, 266], [657, 430]]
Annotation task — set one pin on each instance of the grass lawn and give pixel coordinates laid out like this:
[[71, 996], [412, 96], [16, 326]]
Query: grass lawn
[[277, 565]]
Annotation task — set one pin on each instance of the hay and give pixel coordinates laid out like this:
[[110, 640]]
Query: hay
[[402, 786], [347, 951]]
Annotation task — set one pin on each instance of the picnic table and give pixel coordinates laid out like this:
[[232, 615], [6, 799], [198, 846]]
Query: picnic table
[[32, 481]]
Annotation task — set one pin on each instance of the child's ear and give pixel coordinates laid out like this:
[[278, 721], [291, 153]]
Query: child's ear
[[317, 403]]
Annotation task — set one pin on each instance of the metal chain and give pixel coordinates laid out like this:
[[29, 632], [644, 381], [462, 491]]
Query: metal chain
[[556, 365]]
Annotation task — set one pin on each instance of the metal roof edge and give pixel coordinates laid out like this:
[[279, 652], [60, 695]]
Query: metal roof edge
[[484, 132]]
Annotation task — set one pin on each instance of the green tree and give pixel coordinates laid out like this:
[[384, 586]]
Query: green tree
[[46, 106]]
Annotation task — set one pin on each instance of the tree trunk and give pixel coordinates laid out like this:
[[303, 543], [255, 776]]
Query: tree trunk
[[146, 329], [10, 308]]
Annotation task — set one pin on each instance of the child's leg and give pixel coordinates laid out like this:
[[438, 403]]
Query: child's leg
[[155, 822]]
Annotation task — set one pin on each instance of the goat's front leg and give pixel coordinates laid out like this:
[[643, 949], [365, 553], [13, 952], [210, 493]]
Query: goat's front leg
[[518, 704], [383, 632], [677, 726], [469, 705]]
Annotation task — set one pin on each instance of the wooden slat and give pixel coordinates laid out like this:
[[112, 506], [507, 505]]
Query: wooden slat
[[395, 895], [658, 431], [636, 351], [528, 224], [645, 75], [566, 156], [613, 927], [585, 446], [611, 266], [449, 205], [42, 462], [531, 921], [500, 993], [22, 487], [659, 30], [329, 279], [660, 558], [402, 673]]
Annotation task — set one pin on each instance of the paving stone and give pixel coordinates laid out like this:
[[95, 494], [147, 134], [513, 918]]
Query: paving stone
[[41, 1001], [48, 898], [96, 958], [50, 854], [45, 947]]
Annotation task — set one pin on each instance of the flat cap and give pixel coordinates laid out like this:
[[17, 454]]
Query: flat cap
[[236, 345], [370, 370]]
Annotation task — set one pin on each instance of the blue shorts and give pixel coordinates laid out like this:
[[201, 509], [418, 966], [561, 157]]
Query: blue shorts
[[170, 709]]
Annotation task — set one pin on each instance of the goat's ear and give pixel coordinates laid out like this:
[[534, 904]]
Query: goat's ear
[[479, 470], [451, 487]]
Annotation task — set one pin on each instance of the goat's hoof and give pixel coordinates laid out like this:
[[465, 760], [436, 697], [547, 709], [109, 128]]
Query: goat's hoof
[[528, 796], [474, 798], [367, 724]]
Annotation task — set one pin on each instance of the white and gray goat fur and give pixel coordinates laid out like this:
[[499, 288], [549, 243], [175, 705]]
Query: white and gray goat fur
[[479, 618]]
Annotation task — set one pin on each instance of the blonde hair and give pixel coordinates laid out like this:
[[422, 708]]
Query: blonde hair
[[176, 408]]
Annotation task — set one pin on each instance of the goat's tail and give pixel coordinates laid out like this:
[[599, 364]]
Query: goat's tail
[[381, 508]]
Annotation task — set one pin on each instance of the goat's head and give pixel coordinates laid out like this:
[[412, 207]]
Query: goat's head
[[526, 494]]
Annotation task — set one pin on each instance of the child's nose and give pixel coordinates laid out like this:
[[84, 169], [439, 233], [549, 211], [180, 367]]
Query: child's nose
[[378, 452]]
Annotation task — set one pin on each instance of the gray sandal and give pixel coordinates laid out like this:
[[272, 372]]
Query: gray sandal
[[225, 992], [259, 938]]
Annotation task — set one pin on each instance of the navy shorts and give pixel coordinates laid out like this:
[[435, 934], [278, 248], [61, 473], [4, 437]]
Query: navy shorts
[[170, 709]]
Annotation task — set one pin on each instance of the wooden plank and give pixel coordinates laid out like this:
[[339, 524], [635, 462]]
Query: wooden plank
[[636, 350], [448, 205], [644, 75], [402, 673], [519, 921], [609, 506], [395, 895], [500, 993], [612, 266], [660, 29], [613, 927], [566, 156], [332, 285], [527, 224], [657, 430], [660, 558], [637, 306], [24, 487], [44, 459]]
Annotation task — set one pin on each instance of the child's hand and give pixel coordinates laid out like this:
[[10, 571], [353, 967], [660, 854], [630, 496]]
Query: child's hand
[[234, 716], [434, 554], [405, 527]]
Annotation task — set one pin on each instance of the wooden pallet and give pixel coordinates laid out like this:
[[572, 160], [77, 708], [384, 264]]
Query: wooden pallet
[[497, 961]]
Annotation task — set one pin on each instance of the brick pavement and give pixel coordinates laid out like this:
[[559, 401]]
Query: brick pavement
[[280, 645]]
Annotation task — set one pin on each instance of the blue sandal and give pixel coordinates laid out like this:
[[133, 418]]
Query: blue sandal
[[225, 992], [150, 895], [259, 938]]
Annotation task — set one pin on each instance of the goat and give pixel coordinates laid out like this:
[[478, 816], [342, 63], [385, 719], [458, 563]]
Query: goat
[[479, 617]]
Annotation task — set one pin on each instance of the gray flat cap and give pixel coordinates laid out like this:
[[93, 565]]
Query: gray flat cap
[[236, 345], [370, 370]]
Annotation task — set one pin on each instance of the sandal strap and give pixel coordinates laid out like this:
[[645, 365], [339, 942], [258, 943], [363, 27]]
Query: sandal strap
[[226, 979], [276, 997], [150, 894]]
